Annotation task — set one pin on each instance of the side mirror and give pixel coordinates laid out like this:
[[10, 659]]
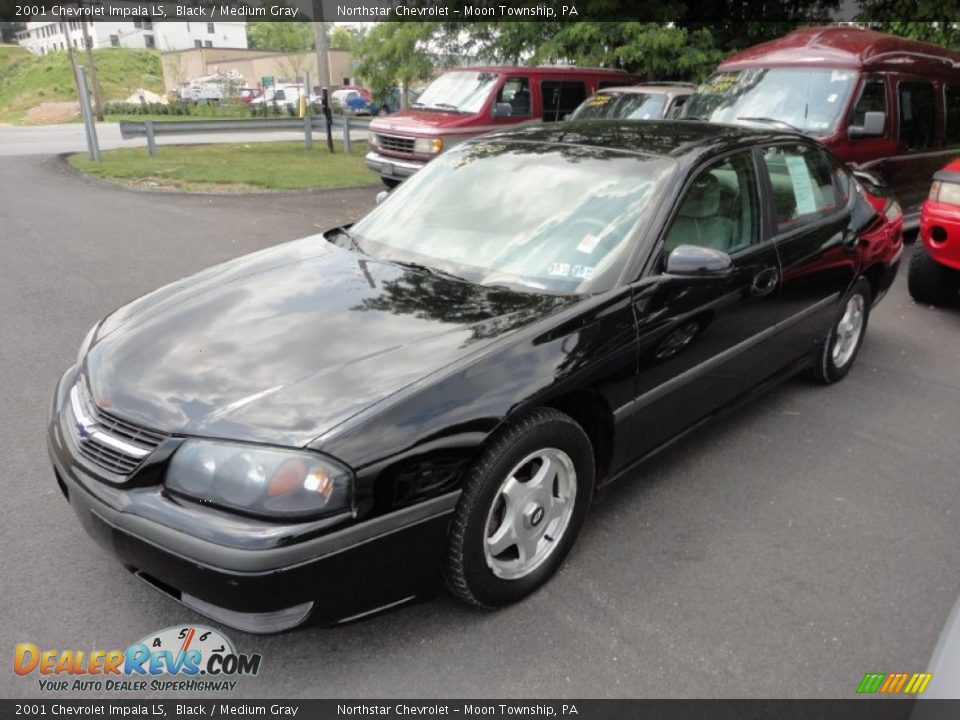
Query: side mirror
[[382, 195], [691, 262], [502, 110], [873, 124]]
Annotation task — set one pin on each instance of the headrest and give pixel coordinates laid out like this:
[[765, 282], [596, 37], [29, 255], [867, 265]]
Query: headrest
[[703, 199]]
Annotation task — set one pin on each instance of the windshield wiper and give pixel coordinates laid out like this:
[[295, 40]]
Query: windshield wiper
[[353, 241], [423, 268], [443, 106], [771, 121]]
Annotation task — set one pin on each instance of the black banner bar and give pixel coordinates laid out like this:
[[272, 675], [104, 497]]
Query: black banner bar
[[856, 709], [469, 10]]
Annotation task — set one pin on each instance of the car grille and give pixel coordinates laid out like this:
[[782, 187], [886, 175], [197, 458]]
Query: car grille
[[392, 143], [106, 440]]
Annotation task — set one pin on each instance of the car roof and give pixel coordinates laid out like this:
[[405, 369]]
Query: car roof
[[678, 139], [652, 89], [845, 47]]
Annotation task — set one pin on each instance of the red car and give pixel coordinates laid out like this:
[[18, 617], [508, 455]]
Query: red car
[[934, 276]]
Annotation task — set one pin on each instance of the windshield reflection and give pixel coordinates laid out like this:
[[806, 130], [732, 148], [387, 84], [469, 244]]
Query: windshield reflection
[[527, 216], [810, 100]]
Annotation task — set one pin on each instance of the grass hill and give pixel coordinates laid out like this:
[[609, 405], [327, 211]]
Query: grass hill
[[28, 81]]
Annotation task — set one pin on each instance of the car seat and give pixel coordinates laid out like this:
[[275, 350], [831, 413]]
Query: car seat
[[699, 222]]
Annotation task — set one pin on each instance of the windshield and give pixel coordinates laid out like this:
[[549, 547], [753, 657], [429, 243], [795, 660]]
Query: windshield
[[458, 91], [621, 106], [540, 218], [809, 100]]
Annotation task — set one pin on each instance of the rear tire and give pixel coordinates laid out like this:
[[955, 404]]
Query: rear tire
[[524, 501], [837, 352], [930, 282]]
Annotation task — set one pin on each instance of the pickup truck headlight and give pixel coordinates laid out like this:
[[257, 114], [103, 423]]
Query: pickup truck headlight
[[372, 139], [260, 481], [428, 146]]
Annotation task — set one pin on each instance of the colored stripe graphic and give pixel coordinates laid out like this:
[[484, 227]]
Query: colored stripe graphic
[[894, 683], [870, 683]]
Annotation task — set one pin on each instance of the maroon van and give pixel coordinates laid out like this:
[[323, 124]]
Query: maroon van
[[881, 103], [474, 100]]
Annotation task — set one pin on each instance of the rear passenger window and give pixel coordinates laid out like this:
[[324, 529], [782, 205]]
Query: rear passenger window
[[917, 115], [560, 98], [802, 186], [873, 98], [953, 114]]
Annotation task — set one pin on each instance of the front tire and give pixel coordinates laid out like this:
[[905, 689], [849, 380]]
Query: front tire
[[389, 182], [523, 504], [930, 282], [838, 351]]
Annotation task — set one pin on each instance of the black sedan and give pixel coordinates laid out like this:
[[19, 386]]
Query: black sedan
[[324, 429]]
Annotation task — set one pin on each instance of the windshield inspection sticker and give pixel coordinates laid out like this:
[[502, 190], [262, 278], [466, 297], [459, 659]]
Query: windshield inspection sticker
[[559, 269], [583, 272], [802, 185], [588, 244]]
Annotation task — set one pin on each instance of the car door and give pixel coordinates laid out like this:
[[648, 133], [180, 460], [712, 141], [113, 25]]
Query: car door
[[920, 151], [701, 339], [810, 221]]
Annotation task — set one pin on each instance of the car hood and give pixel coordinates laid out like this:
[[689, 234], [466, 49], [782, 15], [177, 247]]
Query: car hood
[[282, 345], [421, 122]]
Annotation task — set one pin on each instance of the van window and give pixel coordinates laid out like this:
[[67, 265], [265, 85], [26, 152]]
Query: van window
[[953, 114], [917, 115], [802, 185], [561, 97], [873, 98], [516, 91]]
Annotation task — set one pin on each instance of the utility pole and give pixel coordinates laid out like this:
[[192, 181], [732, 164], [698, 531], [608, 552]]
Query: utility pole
[[322, 44], [95, 81], [73, 59]]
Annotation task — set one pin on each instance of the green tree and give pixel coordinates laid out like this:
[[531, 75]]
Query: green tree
[[396, 52], [284, 37], [345, 37], [9, 30]]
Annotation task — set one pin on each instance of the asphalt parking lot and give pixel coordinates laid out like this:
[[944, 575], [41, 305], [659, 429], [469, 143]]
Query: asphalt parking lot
[[808, 539]]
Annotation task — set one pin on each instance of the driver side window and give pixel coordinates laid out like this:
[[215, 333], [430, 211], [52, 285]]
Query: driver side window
[[720, 209]]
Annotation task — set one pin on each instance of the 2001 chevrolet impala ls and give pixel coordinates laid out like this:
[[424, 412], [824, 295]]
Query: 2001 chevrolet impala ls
[[324, 429]]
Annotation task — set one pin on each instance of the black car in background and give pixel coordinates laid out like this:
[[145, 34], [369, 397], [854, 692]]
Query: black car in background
[[324, 429]]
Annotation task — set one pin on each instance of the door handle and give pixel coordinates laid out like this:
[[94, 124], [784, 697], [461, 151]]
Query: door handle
[[764, 282]]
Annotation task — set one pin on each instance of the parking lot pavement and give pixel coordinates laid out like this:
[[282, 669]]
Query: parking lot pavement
[[806, 540]]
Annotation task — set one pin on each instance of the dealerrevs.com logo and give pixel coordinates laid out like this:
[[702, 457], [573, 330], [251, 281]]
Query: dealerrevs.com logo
[[183, 658]]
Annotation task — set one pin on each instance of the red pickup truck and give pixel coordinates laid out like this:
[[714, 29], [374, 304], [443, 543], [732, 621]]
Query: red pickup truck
[[934, 276], [470, 101]]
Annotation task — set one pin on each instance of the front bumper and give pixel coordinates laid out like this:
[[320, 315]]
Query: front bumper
[[249, 574], [392, 168]]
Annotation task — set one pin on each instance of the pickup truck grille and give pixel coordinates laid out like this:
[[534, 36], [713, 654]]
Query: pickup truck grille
[[395, 144], [106, 440]]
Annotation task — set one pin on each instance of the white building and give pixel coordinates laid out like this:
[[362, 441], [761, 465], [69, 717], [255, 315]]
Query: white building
[[41, 37]]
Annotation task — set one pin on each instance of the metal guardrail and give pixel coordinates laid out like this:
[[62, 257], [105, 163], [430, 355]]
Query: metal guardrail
[[150, 129]]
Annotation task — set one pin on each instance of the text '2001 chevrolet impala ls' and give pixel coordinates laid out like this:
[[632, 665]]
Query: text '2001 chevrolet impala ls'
[[324, 429]]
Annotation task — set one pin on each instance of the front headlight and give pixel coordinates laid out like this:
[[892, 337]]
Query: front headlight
[[87, 341], [262, 481], [428, 146], [372, 139]]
